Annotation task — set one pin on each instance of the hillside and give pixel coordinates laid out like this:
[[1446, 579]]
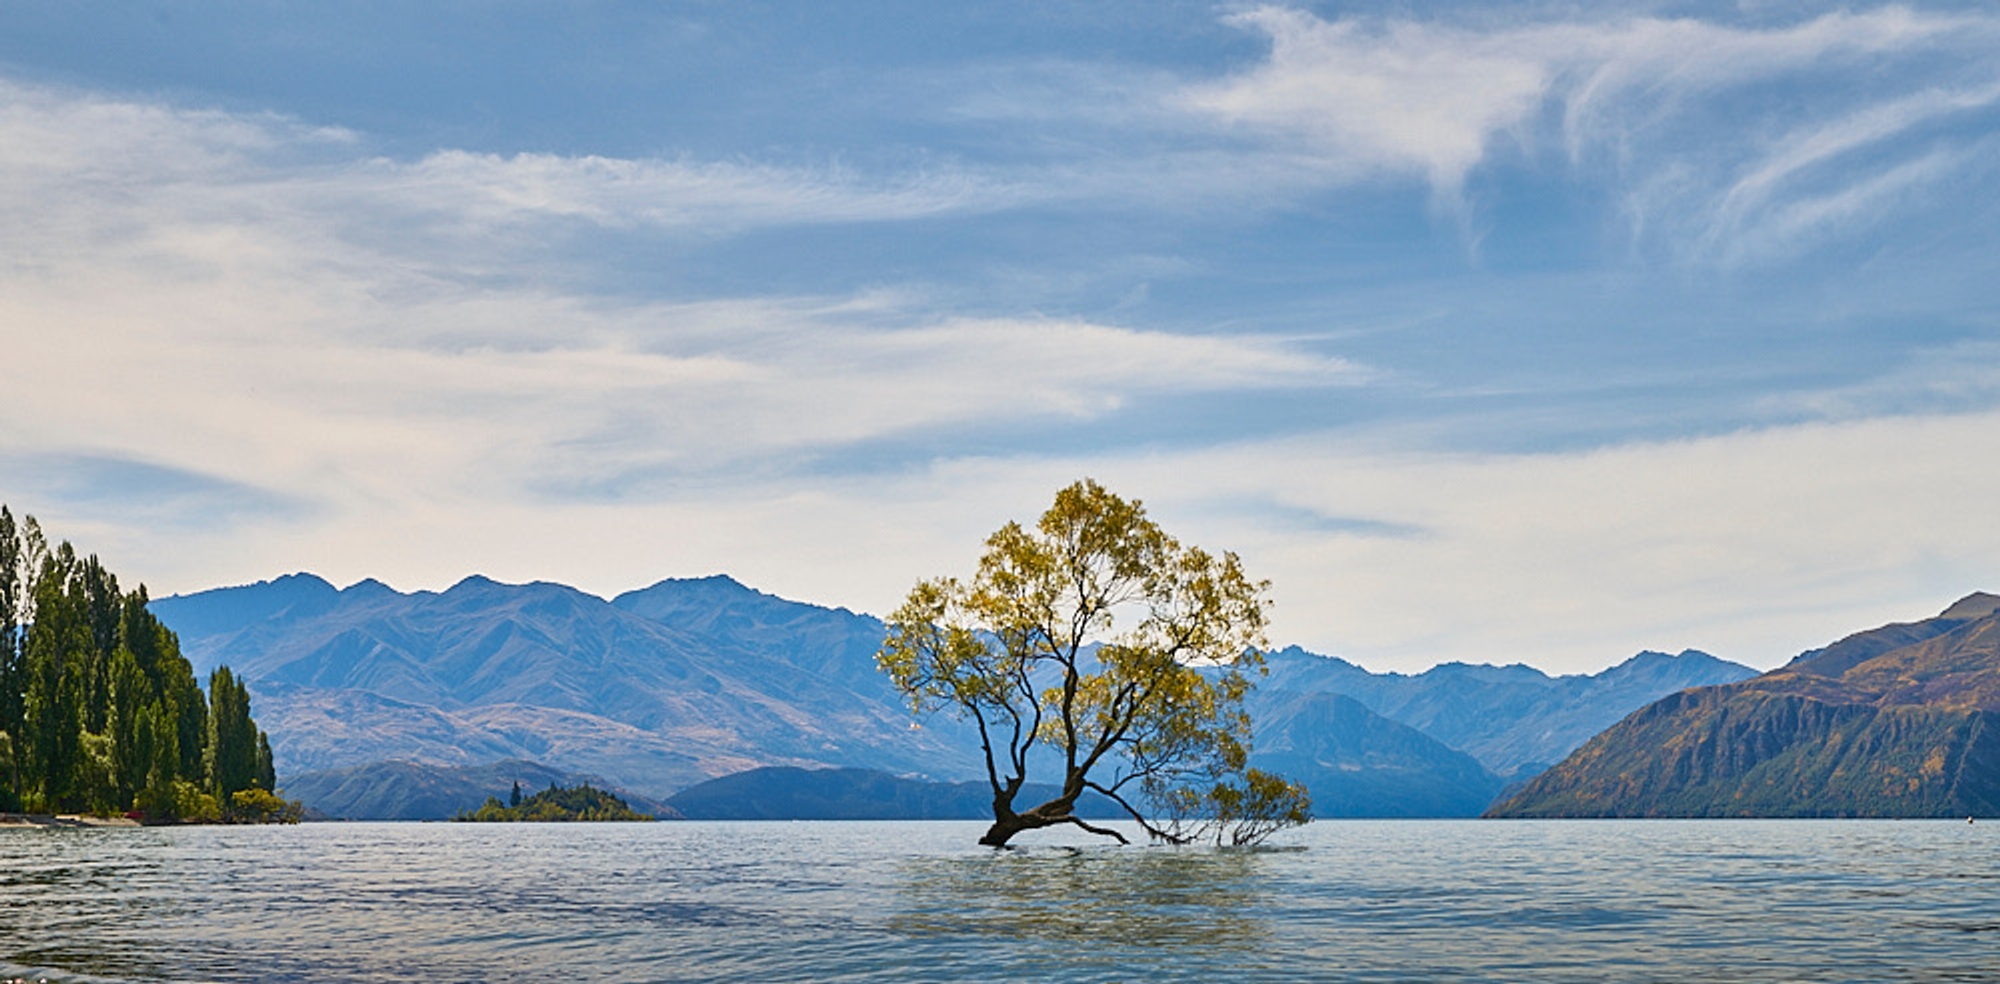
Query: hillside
[[1900, 721]]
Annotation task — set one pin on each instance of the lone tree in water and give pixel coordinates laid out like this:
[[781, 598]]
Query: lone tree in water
[[1098, 645]]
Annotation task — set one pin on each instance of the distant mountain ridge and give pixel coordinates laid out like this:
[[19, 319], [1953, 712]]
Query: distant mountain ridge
[[1513, 719], [833, 643], [1356, 763], [1898, 721], [540, 671], [687, 680]]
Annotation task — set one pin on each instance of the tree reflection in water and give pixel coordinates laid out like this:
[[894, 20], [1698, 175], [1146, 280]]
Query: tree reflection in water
[[1150, 897]]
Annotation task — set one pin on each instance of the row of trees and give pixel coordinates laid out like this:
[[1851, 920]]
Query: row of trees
[[99, 711]]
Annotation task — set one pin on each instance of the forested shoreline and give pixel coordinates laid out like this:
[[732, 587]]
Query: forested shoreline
[[101, 714]]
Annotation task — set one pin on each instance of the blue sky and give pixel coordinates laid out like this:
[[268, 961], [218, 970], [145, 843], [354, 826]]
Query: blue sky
[[1487, 332]]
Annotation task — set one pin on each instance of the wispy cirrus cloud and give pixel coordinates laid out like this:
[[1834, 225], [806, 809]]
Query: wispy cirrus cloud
[[87, 157], [1833, 173], [1735, 142], [1951, 379], [701, 197]]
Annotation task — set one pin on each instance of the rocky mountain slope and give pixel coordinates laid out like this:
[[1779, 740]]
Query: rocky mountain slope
[[1900, 721]]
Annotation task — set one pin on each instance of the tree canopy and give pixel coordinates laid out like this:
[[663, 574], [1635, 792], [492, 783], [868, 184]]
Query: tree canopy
[[1096, 646], [99, 711]]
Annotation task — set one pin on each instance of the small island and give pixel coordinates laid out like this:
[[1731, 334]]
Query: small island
[[556, 804]]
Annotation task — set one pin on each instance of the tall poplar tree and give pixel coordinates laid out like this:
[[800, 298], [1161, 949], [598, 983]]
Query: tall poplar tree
[[57, 653], [17, 560], [232, 739]]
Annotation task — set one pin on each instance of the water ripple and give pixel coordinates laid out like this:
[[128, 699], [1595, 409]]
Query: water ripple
[[1362, 901]]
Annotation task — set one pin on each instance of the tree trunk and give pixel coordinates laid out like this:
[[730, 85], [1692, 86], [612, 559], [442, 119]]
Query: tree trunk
[[1007, 823], [1001, 832]]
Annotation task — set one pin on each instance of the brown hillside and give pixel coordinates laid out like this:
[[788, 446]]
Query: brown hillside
[[1901, 721]]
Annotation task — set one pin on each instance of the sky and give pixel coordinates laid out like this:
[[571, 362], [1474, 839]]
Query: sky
[[1489, 332]]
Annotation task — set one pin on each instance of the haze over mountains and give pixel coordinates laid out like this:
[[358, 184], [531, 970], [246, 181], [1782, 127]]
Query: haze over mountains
[[662, 688], [1898, 721]]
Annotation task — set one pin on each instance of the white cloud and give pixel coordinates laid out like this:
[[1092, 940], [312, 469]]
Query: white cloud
[[710, 198], [1781, 228], [1952, 379], [278, 378], [1620, 77], [235, 298], [1798, 189], [1661, 101], [78, 166], [1406, 97]]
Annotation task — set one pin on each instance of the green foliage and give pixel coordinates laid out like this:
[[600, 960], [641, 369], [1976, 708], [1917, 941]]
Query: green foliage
[[10, 800], [231, 751], [1099, 639], [99, 711], [1237, 813], [556, 804], [159, 746], [255, 805], [194, 804]]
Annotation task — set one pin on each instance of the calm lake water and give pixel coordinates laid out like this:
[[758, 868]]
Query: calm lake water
[[1395, 900]]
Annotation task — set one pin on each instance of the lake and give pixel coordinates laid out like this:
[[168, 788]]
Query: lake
[[689, 901]]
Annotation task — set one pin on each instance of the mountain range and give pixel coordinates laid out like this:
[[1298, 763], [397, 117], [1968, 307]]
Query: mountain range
[[657, 690], [1515, 720], [485, 671], [1898, 721]]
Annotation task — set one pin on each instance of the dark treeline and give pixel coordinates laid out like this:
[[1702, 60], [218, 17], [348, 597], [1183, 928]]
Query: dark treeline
[[99, 711]]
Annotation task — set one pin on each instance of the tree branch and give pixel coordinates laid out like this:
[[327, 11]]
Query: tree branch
[[1103, 831], [1151, 830]]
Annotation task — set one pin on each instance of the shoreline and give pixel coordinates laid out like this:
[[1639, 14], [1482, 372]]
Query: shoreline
[[62, 820]]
